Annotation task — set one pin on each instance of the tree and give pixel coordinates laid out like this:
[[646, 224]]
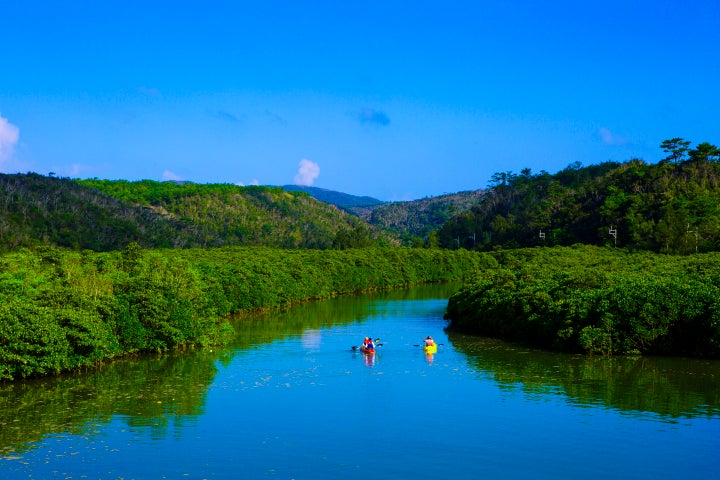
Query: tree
[[705, 153], [358, 237], [501, 179], [677, 148], [433, 240]]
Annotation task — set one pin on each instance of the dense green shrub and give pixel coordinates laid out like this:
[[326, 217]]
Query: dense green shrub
[[596, 300], [61, 310]]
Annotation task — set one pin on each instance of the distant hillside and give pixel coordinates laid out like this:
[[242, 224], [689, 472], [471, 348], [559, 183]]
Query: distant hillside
[[106, 215], [416, 220], [411, 221], [360, 206], [38, 210], [226, 214], [671, 207]]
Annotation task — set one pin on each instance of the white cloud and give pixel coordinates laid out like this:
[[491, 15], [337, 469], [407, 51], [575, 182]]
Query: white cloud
[[76, 169], [168, 175], [254, 182], [610, 138], [9, 135], [307, 173]]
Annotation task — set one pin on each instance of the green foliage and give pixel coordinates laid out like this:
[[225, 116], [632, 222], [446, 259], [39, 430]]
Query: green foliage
[[671, 207], [61, 310], [604, 301], [37, 210], [358, 237], [225, 215], [416, 221], [105, 215]]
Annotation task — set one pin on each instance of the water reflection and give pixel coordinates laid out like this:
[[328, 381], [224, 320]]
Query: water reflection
[[151, 394], [162, 392], [300, 321], [670, 387], [369, 359], [159, 395]]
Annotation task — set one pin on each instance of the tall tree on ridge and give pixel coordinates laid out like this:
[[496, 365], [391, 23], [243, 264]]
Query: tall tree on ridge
[[677, 148]]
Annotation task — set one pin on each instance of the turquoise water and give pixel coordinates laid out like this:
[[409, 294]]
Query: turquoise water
[[291, 400]]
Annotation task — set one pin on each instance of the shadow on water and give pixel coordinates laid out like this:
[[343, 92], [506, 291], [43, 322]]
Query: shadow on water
[[672, 388]]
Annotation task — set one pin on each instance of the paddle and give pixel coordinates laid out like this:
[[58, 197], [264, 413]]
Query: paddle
[[377, 344]]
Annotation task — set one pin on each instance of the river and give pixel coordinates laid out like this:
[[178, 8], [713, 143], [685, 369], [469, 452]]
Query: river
[[290, 399]]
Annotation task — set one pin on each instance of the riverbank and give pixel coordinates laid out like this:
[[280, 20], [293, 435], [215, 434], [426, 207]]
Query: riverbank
[[596, 300], [61, 310]]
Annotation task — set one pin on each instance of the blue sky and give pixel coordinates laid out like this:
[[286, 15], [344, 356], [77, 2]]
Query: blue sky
[[393, 99]]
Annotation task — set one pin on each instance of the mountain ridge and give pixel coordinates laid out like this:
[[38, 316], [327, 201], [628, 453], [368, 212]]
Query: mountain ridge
[[103, 215]]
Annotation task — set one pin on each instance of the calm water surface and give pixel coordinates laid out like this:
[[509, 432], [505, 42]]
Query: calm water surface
[[291, 400]]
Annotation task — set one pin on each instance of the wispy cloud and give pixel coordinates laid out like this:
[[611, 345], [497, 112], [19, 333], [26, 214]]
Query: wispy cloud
[[374, 117], [9, 135], [168, 175], [254, 181], [610, 138], [76, 169], [307, 173], [227, 116]]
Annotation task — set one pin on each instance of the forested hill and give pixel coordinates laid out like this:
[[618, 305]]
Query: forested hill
[[672, 206], [106, 215], [414, 221], [417, 221], [38, 210], [226, 214]]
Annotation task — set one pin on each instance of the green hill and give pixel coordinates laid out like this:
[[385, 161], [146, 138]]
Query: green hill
[[411, 221], [671, 207], [38, 210], [106, 215], [415, 221]]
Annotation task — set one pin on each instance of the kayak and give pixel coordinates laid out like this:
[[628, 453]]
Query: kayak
[[363, 349], [430, 349]]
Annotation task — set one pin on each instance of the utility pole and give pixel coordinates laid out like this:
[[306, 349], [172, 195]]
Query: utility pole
[[613, 233]]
